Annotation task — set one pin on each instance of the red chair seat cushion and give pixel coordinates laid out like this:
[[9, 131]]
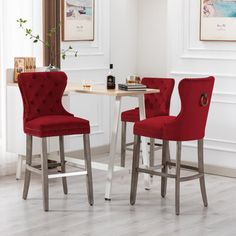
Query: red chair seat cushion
[[153, 127], [56, 125]]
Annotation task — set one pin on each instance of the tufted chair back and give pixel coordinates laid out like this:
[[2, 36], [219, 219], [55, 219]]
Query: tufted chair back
[[42, 94], [195, 95], [158, 104]]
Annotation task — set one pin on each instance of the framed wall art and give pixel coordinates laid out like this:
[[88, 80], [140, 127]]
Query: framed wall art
[[23, 64], [218, 20], [78, 20]]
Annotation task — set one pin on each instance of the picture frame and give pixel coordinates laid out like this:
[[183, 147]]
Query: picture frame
[[78, 20], [218, 20], [23, 64]]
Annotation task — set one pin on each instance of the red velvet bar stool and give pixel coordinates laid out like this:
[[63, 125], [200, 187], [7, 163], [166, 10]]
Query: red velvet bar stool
[[155, 105], [44, 116], [195, 95]]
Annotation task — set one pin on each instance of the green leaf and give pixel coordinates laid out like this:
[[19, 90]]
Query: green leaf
[[70, 47], [28, 31], [63, 56], [35, 41]]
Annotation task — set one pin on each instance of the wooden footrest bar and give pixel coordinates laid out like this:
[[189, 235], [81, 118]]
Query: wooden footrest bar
[[155, 149], [187, 178], [156, 144], [156, 167], [33, 169], [129, 144], [183, 166], [182, 179], [152, 172], [50, 165]]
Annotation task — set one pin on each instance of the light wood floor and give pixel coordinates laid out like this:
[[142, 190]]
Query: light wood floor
[[152, 215]]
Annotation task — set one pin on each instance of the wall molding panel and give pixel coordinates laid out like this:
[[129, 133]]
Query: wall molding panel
[[191, 58], [195, 49], [92, 65], [216, 145]]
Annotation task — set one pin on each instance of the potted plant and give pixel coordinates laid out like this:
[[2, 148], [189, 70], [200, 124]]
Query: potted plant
[[46, 43]]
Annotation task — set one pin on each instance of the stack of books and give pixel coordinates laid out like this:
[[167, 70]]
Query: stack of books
[[132, 87]]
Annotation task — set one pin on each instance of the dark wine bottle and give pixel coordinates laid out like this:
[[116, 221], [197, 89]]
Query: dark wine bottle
[[111, 84]]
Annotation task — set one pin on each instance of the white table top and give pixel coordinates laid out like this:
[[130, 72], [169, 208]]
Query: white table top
[[102, 90]]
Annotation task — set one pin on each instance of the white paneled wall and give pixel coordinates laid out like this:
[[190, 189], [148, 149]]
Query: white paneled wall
[[152, 36], [14, 43], [124, 37], [190, 57], [1, 66], [91, 65], [124, 42], [115, 42]]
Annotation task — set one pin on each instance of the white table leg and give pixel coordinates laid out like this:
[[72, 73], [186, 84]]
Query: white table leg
[[19, 167], [114, 136], [145, 156]]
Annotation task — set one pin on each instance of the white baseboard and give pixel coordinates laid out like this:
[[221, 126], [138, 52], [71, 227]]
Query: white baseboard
[[96, 151], [215, 170]]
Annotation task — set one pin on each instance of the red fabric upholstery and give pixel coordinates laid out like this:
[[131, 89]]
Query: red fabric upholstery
[[152, 126], [57, 125], [155, 104], [44, 114], [131, 115], [191, 121]]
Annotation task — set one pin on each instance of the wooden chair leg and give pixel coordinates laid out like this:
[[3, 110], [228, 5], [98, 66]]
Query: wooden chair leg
[[44, 166], [29, 140], [164, 167], [168, 159], [152, 146], [63, 166], [135, 165], [123, 144], [87, 157], [177, 180], [201, 170]]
